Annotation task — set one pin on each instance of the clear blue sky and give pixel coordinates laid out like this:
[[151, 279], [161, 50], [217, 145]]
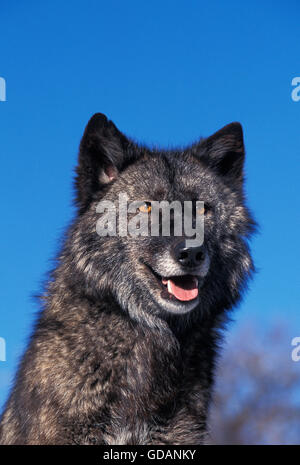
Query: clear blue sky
[[165, 72]]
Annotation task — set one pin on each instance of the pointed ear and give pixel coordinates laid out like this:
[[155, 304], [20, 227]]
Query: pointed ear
[[224, 152], [101, 157]]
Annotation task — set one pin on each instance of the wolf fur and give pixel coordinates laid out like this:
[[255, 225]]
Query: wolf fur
[[110, 361]]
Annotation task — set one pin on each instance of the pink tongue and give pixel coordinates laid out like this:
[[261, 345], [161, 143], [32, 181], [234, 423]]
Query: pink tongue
[[183, 287]]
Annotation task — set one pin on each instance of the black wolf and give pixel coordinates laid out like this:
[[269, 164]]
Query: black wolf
[[123, 351]]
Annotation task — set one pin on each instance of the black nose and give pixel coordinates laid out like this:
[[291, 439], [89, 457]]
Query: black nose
[[190, 257]]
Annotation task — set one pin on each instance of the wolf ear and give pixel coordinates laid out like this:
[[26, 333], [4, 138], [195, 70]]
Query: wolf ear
[[224, 152], [101, 157]]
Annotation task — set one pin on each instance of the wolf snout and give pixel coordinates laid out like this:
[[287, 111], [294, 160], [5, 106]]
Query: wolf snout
[[189, 257]]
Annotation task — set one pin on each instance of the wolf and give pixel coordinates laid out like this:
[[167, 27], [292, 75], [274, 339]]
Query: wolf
[[125, 344]]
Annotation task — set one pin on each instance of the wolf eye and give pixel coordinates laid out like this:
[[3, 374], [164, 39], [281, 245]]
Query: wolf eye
[[145, 207], [204, 210]]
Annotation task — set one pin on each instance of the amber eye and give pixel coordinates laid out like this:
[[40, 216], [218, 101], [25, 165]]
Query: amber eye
[[203, 210], [145, 207]]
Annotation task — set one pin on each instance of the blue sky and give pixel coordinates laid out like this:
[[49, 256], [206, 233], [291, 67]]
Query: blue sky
[[165, 72]]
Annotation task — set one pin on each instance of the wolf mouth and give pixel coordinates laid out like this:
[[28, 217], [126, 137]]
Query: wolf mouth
[[182, 288]]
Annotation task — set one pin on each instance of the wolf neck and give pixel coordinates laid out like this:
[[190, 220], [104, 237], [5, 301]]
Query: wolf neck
[[149, 362], [107, 379]]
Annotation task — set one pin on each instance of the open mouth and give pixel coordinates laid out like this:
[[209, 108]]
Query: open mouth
[[183, 288]]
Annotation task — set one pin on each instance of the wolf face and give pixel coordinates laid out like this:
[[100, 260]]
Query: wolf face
[[159, 276]]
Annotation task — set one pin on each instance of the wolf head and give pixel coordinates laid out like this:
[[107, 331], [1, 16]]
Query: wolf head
[[158, 275]]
